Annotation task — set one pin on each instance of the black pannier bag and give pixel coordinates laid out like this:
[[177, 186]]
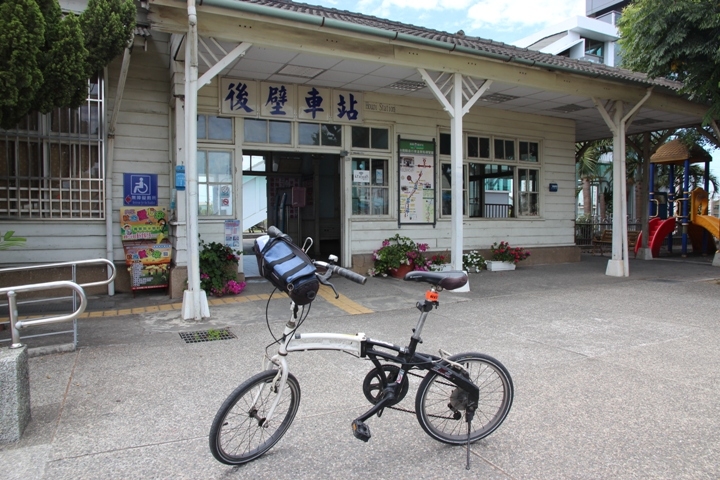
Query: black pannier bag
[[287, 267]]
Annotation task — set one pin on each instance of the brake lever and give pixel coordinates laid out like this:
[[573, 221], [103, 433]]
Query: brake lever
[[324, 281], [324, 278]]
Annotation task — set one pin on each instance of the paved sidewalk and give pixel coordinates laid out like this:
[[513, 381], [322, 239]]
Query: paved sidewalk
[[614, 378]]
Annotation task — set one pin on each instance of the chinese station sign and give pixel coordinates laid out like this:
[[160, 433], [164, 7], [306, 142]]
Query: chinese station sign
[[288, 101]]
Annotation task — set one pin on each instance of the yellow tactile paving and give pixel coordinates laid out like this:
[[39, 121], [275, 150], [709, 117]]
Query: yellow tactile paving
[[326, 293], [342, 302]]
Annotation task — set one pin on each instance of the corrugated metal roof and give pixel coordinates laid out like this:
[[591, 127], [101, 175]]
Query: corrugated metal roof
[[475, 43], [141, 31]]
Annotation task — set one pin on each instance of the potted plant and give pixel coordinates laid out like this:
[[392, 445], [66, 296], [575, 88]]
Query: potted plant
[[505, 257], [397, 256], [438, 262], [473, 261], [218, 269]]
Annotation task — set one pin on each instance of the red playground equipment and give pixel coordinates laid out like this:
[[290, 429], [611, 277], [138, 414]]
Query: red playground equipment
[[689, 211]]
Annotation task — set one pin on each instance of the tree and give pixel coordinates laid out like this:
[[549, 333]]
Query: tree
[[677, 39], [108, 26], [62, 61], [22, 30], [46, 57]]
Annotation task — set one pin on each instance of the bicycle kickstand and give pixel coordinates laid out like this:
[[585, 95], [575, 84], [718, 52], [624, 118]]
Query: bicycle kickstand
[[469, 414]]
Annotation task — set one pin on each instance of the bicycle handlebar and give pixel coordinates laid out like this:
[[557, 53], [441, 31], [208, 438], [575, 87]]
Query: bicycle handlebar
[[274, 232], [343, 272]]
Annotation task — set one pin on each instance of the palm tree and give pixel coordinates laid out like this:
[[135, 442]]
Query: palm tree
[[587, 162]]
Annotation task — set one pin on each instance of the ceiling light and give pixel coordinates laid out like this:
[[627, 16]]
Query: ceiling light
[[297, 71], [407, 85], [568, 108], [498, 98]]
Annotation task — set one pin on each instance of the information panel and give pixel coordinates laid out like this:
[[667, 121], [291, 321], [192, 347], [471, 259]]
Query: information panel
[[416, 160]]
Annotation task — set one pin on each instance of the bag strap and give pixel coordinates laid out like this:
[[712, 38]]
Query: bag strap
[[281, 260]]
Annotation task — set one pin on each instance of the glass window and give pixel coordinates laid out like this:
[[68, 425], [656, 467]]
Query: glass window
[[445, 144], [379, 138], [528, 151], [330, 135], [360, 137], [446, 188], [220, 128], [322, 134], [52, 165], [368, 137], [528, 191], [264, 131], [210, 127], [504, 149], [309, 134], [478, 147], [256, 130], [370, 186], [253, 163], [215, 183], [280, 132], [490, 190]]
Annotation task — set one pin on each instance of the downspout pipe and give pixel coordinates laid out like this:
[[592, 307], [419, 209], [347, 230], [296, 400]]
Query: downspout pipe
[[110, 159]]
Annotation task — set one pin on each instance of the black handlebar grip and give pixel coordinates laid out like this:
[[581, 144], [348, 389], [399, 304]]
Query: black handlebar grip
[[273, 231], [349, 274]]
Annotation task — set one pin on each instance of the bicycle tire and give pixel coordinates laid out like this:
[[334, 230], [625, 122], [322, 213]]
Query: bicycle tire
[[438, 401], [237, 434]]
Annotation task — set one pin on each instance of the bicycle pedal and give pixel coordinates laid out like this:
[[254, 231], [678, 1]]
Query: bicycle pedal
[[360, 430]]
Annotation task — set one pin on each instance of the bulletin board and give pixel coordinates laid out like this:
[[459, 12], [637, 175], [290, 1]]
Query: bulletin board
[[416, 178]]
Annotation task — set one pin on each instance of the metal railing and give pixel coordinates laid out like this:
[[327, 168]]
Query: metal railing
[[78, 291], [585, 231], [16, 324]]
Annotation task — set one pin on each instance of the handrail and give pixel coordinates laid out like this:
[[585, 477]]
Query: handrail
[[15, 324], [70, 264]]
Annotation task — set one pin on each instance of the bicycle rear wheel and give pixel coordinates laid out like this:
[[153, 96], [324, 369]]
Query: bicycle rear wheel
[[440, 405], [239, 433]]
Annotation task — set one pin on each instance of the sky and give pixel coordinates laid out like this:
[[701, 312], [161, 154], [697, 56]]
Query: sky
[[501, 20]]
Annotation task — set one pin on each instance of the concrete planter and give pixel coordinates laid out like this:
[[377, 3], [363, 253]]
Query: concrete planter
[[495, 266]]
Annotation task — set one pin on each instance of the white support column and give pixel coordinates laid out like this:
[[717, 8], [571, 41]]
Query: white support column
[[195, 305], [461, 87], [618, 265], [456, 167]]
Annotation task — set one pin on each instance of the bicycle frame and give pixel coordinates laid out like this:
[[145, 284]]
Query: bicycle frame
[[360, 346]]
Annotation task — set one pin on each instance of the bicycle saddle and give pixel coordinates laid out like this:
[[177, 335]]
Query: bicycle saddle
[[449, 280]]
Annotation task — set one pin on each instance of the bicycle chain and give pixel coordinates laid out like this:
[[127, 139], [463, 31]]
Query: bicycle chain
[[400, 409]]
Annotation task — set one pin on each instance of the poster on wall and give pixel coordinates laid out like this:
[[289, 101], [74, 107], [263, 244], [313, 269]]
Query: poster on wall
[[149, 223], [232, 234], [416, 164], [144, 235], [148, 264]]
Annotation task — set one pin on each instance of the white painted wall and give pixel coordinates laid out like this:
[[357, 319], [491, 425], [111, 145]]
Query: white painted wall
[[142, 145]]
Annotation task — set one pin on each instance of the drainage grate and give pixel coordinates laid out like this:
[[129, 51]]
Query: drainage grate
[[207, 335]]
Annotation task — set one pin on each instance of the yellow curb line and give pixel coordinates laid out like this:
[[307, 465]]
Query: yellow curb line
[[342, 303]]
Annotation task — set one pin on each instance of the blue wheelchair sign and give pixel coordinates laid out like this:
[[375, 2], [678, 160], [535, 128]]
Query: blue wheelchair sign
[[140, 190]]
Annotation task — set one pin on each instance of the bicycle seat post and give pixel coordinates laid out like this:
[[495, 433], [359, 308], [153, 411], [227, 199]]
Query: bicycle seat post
[[425, 306]]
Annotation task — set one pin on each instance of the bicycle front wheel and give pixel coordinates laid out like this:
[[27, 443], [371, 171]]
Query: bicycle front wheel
[[240, 431], [440, 405]]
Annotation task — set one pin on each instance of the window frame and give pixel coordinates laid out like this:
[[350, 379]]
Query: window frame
[[385, 187], [515, 163], [64, 176]]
